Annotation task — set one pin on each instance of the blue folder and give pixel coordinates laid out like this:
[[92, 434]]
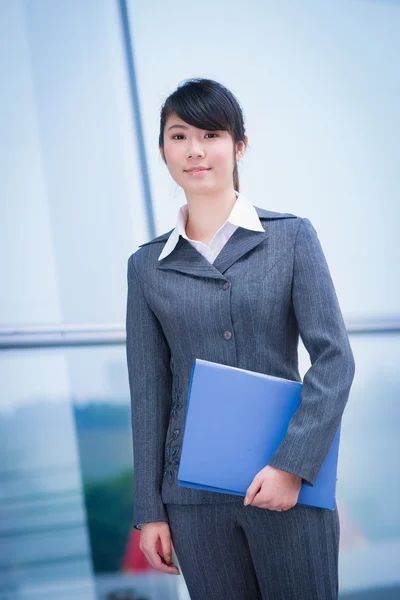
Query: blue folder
[[235, 421]]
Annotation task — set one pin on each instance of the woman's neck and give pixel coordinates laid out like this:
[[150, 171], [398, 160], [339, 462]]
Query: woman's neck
[[207, 213]]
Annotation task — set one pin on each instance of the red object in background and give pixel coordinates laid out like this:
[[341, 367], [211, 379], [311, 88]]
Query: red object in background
[[134, 559]]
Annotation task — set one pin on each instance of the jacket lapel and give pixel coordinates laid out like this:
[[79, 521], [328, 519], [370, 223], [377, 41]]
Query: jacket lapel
[[186, 259]]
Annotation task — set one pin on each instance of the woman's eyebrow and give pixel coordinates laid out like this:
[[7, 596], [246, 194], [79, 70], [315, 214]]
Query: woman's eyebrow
[[180, 126]]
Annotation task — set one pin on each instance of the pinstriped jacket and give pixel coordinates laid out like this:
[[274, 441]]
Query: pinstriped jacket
[[247, 310]]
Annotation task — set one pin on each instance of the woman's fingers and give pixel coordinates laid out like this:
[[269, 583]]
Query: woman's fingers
[[173, 569], [158, 562], [166, 545], [149, 540]]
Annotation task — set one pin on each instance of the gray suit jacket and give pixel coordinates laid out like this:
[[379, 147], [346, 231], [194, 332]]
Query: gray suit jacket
[[247, 310]]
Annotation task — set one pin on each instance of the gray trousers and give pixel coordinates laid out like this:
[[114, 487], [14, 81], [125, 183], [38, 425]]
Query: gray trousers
[[234, 552]]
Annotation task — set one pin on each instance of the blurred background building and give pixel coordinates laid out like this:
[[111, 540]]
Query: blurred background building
[[82, 185]]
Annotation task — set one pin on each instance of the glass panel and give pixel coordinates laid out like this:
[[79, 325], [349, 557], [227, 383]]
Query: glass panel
[[44, 545], [66, 480], [368, 479], [71, 210]]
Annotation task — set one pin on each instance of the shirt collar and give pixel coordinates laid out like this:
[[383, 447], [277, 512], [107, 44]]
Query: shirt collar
[[243, 214]]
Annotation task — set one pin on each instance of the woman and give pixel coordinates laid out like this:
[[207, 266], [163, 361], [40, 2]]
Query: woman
[[236, 284]]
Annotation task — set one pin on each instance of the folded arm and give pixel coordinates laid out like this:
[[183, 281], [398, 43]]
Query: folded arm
[[326, 385]]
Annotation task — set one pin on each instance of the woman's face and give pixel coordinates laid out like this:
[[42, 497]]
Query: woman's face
[[186, 147]]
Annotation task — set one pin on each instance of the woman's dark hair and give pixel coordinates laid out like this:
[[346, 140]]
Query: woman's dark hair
[[206, 104]]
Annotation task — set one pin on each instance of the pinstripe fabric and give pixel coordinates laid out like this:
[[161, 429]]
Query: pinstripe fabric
[[232, 552], [266, 288]]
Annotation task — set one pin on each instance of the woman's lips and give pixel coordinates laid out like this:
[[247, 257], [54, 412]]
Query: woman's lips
[[200, 172]]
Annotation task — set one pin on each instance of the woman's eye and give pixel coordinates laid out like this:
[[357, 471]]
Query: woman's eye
[[180, 135]]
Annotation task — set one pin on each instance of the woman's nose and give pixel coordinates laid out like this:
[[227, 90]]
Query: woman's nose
[[195, 151]]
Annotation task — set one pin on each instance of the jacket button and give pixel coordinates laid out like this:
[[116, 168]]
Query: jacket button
[[226, 285], [227, 335]]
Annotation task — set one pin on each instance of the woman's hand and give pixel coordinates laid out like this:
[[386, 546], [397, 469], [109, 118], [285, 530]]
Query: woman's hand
[[152, 534], [273, 489]]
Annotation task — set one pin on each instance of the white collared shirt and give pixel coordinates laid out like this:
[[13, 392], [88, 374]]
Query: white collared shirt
[[243, 214]]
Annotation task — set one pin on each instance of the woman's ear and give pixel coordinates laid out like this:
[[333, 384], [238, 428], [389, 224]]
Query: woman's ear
[[241, 147]]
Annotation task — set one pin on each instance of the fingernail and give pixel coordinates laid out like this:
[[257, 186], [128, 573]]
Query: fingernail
[[246, 501]]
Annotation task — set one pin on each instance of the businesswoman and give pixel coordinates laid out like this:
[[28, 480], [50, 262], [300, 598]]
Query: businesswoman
[[237, 284]]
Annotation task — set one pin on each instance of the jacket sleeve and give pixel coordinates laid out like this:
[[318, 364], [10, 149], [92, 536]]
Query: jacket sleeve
[[326, 385], [150, 382]]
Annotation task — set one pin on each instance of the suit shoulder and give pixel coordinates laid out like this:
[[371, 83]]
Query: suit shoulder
[[271, 214], [157, 240], [274, 220], [287, 220], [148, 252]]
